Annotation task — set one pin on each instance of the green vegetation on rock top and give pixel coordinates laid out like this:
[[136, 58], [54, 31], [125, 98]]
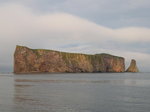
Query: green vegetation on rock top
[[90, 56]]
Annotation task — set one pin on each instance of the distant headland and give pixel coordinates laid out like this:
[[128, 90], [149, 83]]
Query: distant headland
[[28, 60]]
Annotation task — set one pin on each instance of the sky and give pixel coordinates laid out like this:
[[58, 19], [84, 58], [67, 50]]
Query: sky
[[118, 27]]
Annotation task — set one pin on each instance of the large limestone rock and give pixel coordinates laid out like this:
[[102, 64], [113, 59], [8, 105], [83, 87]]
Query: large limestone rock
[[28, 60], [133, 67]]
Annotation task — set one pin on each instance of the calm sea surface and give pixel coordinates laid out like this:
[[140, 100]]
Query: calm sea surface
[[86, 92]]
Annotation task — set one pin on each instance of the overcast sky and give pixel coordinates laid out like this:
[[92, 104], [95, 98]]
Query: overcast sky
[[118, 27]]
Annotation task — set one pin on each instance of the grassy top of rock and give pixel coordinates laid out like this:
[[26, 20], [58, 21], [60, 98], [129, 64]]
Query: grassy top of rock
[[68, 54]]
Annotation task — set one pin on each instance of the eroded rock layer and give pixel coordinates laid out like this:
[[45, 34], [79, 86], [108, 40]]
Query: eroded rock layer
[[28, 60], [133, 67]]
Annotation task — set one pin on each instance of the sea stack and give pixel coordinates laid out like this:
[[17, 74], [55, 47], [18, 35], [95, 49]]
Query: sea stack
[[28, 60], [133, 67]]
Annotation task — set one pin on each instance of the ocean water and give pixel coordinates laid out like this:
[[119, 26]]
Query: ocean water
[[78, 92]]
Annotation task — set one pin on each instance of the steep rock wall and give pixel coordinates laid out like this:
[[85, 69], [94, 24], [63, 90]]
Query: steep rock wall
[[133, 67], [28, 60]]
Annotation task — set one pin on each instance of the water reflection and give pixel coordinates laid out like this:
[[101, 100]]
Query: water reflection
[[35, 97], [128, 82], [6, 93], [79, 93], [63, 94]]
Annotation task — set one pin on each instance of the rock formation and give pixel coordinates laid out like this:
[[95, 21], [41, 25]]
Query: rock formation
[[28, 60], [133, 67]]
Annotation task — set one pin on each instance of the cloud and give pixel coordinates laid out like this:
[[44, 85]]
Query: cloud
[[63, 31], [114, 13], [133, 34]]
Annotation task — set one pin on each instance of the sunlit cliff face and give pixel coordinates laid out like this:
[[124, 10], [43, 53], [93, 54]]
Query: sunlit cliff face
[[133, 67], [37, 60]]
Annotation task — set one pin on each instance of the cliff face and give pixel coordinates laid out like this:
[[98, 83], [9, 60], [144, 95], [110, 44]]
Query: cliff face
[[133, 67], [28, 60]]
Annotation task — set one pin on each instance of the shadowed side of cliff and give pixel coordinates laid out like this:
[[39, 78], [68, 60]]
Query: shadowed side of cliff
[[28, 60]]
